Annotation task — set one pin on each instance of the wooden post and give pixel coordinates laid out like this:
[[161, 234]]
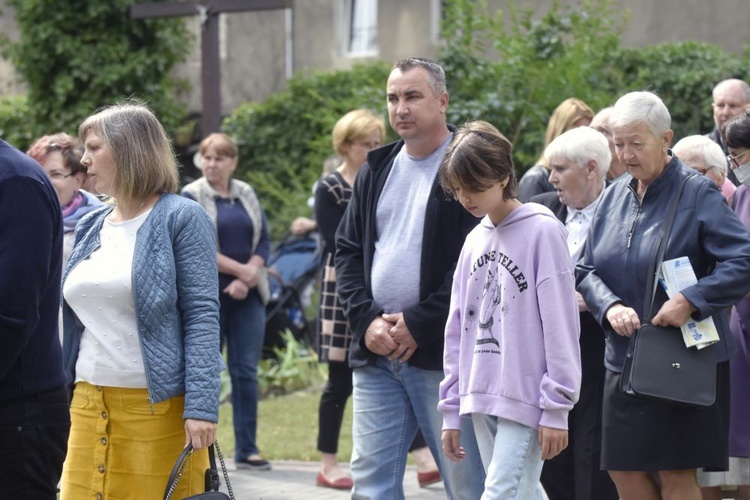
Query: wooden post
[[209, 11]]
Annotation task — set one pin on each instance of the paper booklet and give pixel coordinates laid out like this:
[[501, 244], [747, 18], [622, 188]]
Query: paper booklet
[[676, 275]]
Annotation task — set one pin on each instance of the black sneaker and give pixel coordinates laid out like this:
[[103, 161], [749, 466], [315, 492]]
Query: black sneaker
[[253, 464]]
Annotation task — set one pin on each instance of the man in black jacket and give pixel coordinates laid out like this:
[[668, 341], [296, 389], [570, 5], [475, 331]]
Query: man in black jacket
[[730, 98], [579, 160], [396, 249], [34, 417]]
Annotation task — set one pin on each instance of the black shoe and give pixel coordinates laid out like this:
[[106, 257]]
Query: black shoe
[[253, 464]]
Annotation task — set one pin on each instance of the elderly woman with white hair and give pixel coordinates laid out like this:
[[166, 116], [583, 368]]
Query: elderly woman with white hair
[[579, 160], [706, 157], [652, 449]]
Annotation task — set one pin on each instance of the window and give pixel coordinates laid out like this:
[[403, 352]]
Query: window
[[437, 16], [361, 27]]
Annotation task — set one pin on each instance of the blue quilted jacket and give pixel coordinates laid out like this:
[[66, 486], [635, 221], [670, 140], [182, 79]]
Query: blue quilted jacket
[[176, 297]]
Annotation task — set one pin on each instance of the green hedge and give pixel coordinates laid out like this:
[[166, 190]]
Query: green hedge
[[509, 68], [284, 140], [14, 122], [78, 55]]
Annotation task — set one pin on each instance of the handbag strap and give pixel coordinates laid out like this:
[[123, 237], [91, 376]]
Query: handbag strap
[[212, 482], [654, 268]]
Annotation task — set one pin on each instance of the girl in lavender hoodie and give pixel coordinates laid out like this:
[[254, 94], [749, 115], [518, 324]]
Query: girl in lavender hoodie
[[512, 359]]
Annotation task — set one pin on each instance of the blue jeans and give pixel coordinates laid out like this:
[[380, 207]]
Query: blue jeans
[[511, 456], [390, 400], [243, 328]]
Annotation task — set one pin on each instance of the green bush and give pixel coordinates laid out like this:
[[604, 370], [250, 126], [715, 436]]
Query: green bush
[[14, 122], [509, 67], [284, 140], [78, 55], [512, 69], [683, 74]]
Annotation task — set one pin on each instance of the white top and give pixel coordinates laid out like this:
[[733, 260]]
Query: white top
[[100, 292], [577, 223]]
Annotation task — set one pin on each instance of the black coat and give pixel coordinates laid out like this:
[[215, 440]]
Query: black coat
[[445, 228]]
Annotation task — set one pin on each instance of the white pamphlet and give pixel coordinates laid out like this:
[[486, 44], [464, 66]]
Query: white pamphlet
[[676, 275]]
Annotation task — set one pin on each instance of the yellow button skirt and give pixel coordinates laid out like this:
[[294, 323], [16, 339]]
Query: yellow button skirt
[[122, 447]]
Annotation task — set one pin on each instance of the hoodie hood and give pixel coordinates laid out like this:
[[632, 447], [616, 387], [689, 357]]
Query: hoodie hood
[[519, 215]]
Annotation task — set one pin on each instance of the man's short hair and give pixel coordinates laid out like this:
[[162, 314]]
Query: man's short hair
[[743, 86], [434, 70]]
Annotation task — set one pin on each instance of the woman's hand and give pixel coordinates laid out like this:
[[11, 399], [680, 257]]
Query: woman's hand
[[624, 320], [237, 290], [451, 439], [302, 225], [674, 312], [248, 273], [199, 433], [552, 441]]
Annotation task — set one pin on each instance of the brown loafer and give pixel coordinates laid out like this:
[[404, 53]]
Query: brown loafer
[[428, 478], [342, 483]]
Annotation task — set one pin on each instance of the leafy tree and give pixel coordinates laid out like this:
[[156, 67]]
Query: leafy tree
[[78, 55], [683, 74], [513, 69], [284, 140], [14, 123]]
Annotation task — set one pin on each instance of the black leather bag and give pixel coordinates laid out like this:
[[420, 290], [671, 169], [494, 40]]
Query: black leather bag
[[662, 368], [658, 365], [212, 476]]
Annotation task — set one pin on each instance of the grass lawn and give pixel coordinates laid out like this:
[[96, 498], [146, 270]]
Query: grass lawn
[[287, 427]]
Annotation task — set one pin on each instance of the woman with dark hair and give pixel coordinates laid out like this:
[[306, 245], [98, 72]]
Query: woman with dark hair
[[60, 156], [737, 140]]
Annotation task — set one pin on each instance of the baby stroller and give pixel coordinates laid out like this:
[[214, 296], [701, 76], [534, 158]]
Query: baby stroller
[[292, 273]]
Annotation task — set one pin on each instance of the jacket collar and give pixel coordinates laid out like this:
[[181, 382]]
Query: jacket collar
[[666, 180], [382, 156]]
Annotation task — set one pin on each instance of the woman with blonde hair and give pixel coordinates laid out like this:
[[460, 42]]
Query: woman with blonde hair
[[354, 135], [570, 113], [141, 319]]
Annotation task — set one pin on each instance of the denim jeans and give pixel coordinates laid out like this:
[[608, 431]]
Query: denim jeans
[[511, 456], [243, 328], [390, 400], [33, 442]]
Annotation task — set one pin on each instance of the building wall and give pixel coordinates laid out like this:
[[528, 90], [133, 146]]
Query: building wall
[[9, 84], [258, 49]]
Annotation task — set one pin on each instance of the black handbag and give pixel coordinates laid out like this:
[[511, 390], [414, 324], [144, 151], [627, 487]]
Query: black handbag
[[658, 366], [212, 476]]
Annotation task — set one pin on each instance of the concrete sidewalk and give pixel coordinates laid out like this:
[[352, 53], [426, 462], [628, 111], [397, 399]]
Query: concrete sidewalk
[[296, 480]]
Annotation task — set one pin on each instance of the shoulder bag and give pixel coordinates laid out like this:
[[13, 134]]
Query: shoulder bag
[[212, 476], [658, 366]]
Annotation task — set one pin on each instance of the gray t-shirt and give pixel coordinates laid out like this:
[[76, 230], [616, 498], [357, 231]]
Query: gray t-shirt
[[400, 225]]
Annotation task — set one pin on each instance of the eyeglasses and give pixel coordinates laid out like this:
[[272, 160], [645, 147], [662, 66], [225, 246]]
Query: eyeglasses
[[732, 159], [57, 176]]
